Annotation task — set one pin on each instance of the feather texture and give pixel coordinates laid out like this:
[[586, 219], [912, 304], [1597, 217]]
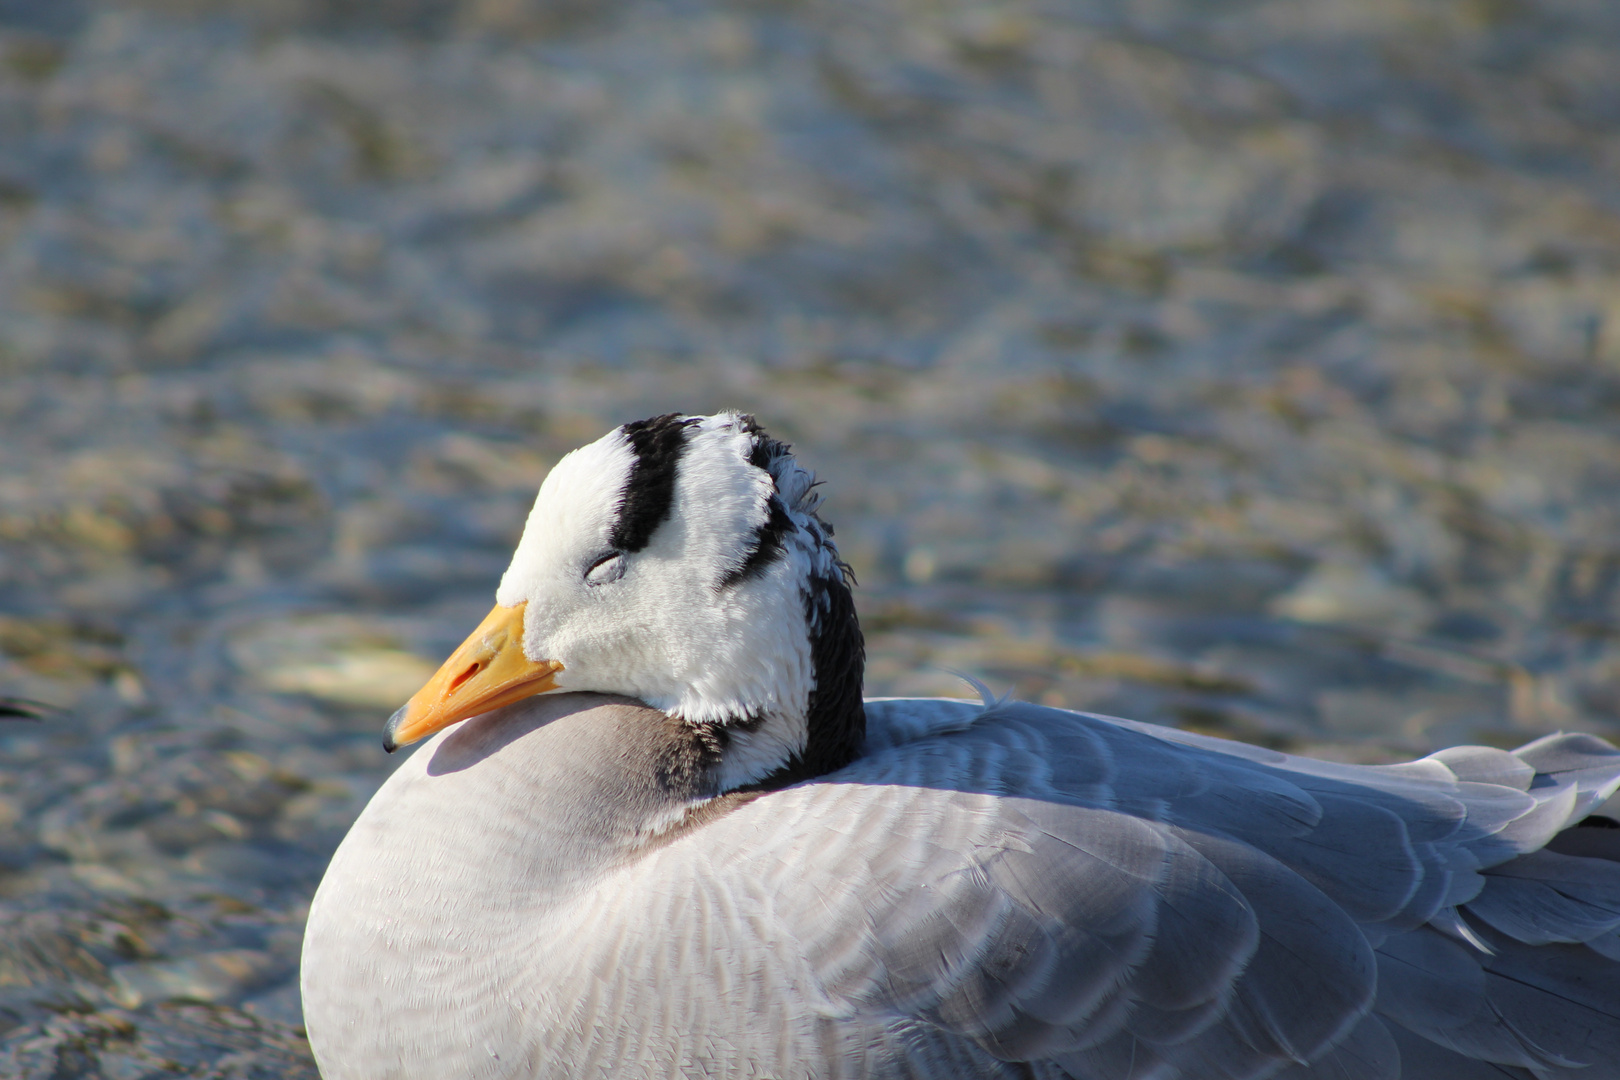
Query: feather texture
[[1019, 884]]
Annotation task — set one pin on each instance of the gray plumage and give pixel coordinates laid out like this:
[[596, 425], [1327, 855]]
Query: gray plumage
[[734, 869], [983, 886]]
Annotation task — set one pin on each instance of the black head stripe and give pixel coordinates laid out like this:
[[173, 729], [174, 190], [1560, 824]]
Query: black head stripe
[[766, 545], [649, 493], [767, 542]]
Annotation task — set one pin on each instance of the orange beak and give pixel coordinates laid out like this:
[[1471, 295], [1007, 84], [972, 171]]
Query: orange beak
[[488, 670]]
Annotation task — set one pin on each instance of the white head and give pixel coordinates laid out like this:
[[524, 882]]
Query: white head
[[678, 560]]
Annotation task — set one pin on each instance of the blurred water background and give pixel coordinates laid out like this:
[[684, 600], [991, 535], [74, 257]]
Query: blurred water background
[[1246, 365]]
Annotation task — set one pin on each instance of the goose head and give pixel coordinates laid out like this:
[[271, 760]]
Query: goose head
[[680, 561]]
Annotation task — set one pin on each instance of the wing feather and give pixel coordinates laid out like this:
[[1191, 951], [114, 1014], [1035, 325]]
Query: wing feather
[[1368, 1052], [1124, 902], [1545, 897]]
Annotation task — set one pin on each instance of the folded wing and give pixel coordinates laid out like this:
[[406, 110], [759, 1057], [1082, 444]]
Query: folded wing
[[1114, 901]]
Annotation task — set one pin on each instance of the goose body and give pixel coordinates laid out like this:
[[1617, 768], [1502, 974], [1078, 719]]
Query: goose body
[[658, 833]]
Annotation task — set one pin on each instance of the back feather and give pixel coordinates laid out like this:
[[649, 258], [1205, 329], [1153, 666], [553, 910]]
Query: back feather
[[1122, 901]]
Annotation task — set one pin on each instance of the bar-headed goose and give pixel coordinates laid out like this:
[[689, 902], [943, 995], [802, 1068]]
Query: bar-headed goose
[[667, 839]]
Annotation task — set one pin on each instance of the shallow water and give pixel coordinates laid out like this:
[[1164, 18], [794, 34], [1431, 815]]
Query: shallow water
[[1247, 366]]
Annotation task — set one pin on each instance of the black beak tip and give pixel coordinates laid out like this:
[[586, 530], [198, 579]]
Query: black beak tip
[[388, 743]]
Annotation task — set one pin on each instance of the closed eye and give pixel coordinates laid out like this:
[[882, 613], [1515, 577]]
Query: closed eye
[[609, 567]]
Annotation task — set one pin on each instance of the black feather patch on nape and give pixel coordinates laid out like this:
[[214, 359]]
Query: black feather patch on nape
[[837, 713], [649, 493], [766, 450]]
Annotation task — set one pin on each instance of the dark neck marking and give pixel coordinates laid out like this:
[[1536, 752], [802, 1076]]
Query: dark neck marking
[[687, 757], [649, 491], [836, 718]]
